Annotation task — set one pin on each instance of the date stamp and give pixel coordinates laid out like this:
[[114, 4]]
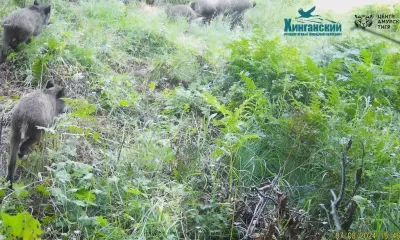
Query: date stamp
[[355, 235], [366, 235]]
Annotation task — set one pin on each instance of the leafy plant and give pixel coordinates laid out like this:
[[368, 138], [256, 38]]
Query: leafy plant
[[22, 226]]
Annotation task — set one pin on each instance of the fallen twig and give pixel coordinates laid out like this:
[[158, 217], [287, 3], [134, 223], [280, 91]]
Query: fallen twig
[[262, 202], [122, 143], [378, 34], [336, 200], [358, 175], [1, 129]]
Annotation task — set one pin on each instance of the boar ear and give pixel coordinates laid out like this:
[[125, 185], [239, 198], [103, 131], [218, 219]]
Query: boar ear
[[35, 3], [49, 84], [61, 93], [192, 5], [47, 10]]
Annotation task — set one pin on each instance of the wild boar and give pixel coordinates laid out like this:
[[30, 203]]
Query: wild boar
[[234, 9], [37, 108], [19, 26], [205, 8], [181, 11]]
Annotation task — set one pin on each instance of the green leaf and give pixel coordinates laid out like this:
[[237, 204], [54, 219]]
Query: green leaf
[[123, 103], [393, 187], [84, 194], [48, 219], [3, 192], [333, 68], [210, 99], [133, 191], [101, 221], [11, 56], [39, 68], [360, 200], [58, 194], [87, 221], [95, 136], [20, 192], [63, 176], [366, 57], [251, 87], [176, 174], [80, 203], [127, 83], [43, 190], [186, 107], [22, 226], [152, 86]]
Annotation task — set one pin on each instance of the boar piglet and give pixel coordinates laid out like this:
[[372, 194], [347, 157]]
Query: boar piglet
[[37, 108], [20, 25]]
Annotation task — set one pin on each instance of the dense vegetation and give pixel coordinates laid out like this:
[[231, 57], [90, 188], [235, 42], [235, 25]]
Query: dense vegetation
[[168, 132]]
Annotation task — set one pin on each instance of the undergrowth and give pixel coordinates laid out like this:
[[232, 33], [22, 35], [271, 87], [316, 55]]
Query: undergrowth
[[166, 131]]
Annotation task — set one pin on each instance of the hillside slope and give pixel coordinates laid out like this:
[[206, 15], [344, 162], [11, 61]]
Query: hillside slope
[[168, 134]]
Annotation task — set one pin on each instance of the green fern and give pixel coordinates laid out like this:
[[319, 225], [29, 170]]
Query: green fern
[[333, 68], [366, 57], [39, 67], [333, 95], [391, 64]]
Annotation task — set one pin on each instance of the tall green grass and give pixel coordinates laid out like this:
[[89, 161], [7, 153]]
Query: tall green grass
[[166, 130]]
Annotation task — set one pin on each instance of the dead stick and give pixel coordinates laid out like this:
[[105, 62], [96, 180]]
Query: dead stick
[[339, 199], [358, 175], [1, 128], [122, 143], [336, 200], [378, 34]]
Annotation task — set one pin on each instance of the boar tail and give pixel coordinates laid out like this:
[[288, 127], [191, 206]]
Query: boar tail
[[8, 26], [11, 27]]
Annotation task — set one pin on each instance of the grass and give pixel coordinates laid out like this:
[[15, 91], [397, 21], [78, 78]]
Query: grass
[[167, 132]]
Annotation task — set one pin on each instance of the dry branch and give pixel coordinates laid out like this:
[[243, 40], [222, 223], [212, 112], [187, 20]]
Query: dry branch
[[1, 129], [336, 200], [261, 203]]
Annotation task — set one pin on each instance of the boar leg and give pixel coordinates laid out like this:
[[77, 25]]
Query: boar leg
[[3, 56], [34, 136], [4, 51], [15, 140], [237, 19]]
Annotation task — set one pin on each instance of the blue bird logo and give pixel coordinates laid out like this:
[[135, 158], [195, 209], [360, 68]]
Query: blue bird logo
[[308, 17], [306, 14]]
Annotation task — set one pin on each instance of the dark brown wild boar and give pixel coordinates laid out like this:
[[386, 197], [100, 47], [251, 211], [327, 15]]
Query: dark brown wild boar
[[37, 108], [181, 11], [234, 9], [19, 26]]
